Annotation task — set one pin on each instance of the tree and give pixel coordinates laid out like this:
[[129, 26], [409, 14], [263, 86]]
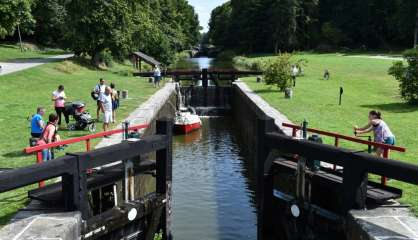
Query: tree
[[96, 25], [277, 72], [50, 18], [407, 76], [416, 30], [14, 13]]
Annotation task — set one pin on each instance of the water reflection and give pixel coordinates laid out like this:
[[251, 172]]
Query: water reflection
[[201, 63]]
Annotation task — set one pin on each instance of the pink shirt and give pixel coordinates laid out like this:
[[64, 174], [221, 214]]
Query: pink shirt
[[59, 96]]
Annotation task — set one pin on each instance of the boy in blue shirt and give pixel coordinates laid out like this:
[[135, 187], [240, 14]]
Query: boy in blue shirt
[[37, 124]]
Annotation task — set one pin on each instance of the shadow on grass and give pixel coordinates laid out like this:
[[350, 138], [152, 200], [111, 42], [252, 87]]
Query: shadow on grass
[[266, 91], [393, 107], [14, 154]]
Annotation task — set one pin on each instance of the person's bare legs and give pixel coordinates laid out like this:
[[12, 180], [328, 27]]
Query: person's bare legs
[[113, 116], [379, 152], [98, 112]]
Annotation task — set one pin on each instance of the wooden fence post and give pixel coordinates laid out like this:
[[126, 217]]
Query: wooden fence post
[[165, 174], [263, 196]]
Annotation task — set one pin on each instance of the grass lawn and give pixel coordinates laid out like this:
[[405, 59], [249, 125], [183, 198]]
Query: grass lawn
[[23, 91], [10, 52], [366, 85]]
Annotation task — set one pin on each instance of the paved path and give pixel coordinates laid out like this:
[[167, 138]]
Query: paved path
[[12, 66], [383, 57]]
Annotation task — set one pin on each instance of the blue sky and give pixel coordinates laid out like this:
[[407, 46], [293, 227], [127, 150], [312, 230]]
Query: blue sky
[[204, 8]]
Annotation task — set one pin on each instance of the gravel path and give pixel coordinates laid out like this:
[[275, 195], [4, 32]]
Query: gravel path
[[378, 57], [12, 66]]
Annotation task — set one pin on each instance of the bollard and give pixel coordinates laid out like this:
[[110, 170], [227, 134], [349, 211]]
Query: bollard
[[124, 94]]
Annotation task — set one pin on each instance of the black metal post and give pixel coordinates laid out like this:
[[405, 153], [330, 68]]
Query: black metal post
[[264, 192], [165, 173], [305, 129], [341, 95], [205, 86]]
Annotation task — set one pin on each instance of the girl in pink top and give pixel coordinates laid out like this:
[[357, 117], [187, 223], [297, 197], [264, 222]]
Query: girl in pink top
[[58, 96], [49, 135]]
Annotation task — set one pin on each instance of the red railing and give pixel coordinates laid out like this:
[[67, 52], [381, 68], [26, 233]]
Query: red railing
[[87, 139], [337, 137]]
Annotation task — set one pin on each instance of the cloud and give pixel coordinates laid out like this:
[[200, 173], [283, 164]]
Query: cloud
[[204, 8]]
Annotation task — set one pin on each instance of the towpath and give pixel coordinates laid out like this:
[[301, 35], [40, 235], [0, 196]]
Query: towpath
[[16, 65]]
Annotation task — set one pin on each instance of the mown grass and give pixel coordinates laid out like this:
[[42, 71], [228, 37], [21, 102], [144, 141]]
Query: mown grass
[[366, 86], [12, 51], [23, 91]]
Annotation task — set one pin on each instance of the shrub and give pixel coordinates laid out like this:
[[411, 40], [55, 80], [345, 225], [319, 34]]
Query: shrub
[[226, 55], [407, 75], [277, 72], [104, 57], [68, 67]]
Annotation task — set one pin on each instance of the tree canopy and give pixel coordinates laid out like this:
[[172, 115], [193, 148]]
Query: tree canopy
[[273, 25], [157, 27]]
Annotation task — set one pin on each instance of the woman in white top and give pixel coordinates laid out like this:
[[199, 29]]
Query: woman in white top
[[382, 132], [58, 96]]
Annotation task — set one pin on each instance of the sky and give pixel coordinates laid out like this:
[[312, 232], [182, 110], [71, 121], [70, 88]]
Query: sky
[[204, 8]]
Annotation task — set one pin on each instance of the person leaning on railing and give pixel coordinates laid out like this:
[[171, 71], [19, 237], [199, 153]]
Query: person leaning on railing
[[382, 132], [49, 135]]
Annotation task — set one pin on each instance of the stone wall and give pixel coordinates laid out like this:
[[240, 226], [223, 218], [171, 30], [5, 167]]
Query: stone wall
[[247, 107]]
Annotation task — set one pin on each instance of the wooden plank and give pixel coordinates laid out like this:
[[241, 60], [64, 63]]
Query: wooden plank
[[375, 192]]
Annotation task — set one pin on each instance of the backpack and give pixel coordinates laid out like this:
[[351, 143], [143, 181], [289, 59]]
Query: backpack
[[94, 94]]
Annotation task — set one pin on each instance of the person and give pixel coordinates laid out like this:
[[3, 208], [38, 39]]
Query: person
[[382, 132], [58, 96], [157, 76], [49, 135], [295, 73], [326, 74], [106, 108], [99, 89], [37, 124], [115, 101]]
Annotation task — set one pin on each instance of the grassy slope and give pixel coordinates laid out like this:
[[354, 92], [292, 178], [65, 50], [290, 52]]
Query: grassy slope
[[9, 52], [367, 86], [23, 91]]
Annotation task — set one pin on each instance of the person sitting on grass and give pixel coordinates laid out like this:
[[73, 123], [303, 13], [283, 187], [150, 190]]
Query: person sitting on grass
[[49, 135], [37, 124], [115, 101], [326, 74], [382, 132], [106, 108]]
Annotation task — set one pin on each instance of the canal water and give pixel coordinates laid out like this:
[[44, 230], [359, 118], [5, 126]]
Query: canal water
[[212, 198]]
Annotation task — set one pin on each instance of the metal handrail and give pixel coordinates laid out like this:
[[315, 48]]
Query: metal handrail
[[338, 136], [87, 139]]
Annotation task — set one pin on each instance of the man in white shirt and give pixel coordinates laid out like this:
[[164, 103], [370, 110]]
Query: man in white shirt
[[157, 76], [106, 107], [99, 89]]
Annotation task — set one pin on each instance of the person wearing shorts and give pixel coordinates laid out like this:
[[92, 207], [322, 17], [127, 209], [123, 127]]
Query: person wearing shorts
[[106, 107], [157, 76], [115, 101]]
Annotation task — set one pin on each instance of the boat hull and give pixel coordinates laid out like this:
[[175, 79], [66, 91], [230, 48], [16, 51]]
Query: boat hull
[[186, 128]]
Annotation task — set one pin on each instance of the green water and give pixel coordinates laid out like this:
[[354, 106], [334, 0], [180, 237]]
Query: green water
[[211, 195]]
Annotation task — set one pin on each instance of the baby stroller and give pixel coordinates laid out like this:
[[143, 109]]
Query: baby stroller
[[82, 118]]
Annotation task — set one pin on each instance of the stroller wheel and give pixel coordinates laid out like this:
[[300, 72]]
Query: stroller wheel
[[71, 127], [92, 127]]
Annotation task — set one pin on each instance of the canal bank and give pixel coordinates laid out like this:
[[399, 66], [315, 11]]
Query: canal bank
[[215, 177]]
